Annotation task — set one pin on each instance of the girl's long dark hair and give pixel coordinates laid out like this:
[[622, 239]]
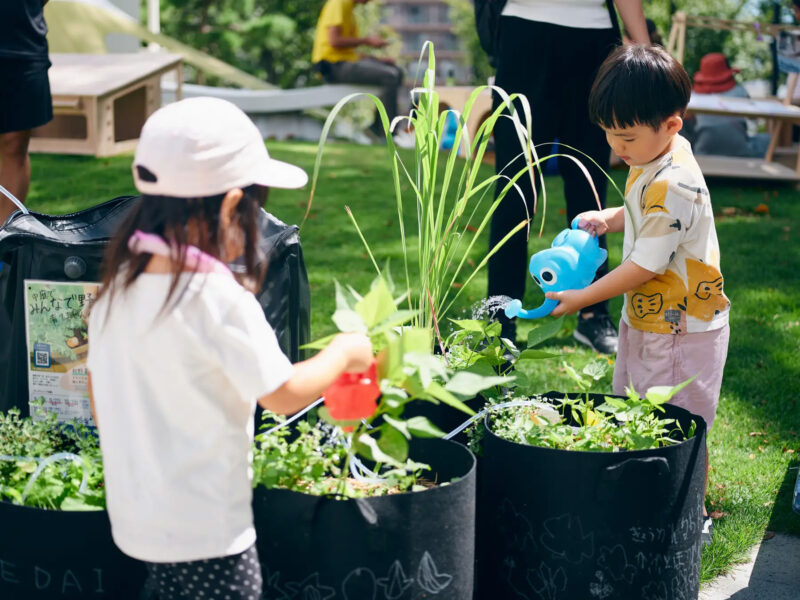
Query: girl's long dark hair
[[170, 219]]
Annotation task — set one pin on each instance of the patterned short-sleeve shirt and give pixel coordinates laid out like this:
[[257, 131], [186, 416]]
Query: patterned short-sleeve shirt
[[669, 229]]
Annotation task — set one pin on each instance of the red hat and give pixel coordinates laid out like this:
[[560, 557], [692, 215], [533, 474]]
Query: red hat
[[715, 75]]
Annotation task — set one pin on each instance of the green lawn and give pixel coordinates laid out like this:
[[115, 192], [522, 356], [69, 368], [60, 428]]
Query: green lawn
[[755, 445]]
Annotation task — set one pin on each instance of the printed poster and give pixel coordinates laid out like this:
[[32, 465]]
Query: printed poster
[[58, 342]]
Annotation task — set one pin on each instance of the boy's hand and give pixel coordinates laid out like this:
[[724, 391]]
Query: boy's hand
[[356, 349], [570, 301], [592, 221]]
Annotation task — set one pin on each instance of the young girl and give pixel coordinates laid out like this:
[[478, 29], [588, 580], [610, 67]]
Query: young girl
[[181, 352]]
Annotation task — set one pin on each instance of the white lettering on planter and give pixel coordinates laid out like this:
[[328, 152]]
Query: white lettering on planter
[[38, 575], [99, 589], [7, 572], [70, 580], [396, 582], [547, 582]]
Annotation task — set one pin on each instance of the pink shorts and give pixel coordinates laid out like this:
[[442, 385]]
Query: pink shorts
[[649, 359]]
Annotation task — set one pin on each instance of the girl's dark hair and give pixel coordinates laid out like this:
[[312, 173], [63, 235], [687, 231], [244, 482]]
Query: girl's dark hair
[[170, 218], [638, 85]]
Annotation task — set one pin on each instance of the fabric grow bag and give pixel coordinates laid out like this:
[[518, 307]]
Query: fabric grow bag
[[71, 247], [399, 547], [47, 554], [563, 525]]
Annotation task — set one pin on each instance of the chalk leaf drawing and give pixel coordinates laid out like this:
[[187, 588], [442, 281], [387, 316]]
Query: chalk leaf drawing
[[310, 589], [359, 585], [564, 538], [396, 582], [515, 528], [271, 589], [428, 575], [615, 562], [515, 578], [547, 582]]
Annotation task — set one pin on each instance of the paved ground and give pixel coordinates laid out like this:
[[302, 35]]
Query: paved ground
[[773, 573]]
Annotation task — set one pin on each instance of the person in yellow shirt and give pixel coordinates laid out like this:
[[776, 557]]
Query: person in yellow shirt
[[337, 60]]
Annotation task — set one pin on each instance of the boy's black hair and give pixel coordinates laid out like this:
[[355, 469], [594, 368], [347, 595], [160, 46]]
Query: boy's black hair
[[638, 85]]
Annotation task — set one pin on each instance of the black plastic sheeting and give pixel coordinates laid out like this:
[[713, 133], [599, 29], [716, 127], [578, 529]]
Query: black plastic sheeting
[[563, 525], [47, 554], [398, 547], [70, 247]]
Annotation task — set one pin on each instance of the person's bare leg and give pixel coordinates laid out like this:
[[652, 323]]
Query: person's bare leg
[[15, 168]]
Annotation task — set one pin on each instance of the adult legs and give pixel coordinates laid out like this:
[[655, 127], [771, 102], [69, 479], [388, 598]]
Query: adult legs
[[15, 169], [520, 39], [371, 71], [595, 327]]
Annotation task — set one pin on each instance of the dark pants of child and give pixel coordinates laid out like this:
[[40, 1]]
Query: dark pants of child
[[235, 577], [554, 67]]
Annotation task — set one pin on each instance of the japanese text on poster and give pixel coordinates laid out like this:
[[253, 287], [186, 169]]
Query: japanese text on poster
[[56, 329]]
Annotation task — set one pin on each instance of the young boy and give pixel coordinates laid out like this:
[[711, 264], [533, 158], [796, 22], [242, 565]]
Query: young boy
[[675, 316]]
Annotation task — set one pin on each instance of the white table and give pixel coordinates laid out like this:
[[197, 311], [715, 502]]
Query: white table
[[101, 101], [774, 111]]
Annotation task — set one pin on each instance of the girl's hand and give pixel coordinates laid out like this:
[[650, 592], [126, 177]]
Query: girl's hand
[[592, 221], [570, 301], [356, 349]]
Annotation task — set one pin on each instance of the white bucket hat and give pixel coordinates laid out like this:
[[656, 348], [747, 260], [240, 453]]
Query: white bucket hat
[[205, 147]]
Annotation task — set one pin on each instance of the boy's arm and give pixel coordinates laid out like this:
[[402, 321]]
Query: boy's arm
[[624, 278]]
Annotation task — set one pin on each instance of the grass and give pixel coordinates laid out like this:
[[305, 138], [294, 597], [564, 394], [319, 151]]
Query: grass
[[755, 445]]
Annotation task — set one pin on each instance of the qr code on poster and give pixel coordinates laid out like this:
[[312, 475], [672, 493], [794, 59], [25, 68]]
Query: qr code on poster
[[41, 355]]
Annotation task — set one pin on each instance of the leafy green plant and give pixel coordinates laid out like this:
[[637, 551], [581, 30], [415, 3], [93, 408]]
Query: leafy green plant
[[47, 465], [575, 423], [453, 205], [408, 372]]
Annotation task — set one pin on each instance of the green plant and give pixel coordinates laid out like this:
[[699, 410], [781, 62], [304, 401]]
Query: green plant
[[408, 371], [47, 465], [449, 197], [575, 423]]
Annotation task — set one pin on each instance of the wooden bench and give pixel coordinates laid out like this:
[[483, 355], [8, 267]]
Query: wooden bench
[[775, 112], [101, 101]]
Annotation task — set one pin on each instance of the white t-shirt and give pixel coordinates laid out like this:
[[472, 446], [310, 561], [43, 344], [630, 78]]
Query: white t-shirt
[[175, 395], [581, 14], [669, 230]]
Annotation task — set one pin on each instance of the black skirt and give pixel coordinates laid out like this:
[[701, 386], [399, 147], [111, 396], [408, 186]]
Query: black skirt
[[25, 101]]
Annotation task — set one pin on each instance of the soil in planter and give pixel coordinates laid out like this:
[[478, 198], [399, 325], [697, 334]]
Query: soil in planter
[[570, 525], [403, 546]]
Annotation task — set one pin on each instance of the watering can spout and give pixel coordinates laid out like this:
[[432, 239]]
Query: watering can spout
[[514, 309]]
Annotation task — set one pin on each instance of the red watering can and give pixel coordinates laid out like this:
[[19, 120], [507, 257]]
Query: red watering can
[[353, 396]]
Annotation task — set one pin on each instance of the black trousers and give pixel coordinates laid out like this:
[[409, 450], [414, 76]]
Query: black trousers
[[554, 67]]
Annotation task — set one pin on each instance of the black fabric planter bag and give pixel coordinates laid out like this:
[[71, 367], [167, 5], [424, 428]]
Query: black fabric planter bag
[[570, 525], [399, 547], [47, 554], [71, 247]]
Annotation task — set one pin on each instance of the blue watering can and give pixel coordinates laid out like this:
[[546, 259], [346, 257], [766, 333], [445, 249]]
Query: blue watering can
[[569, 264]]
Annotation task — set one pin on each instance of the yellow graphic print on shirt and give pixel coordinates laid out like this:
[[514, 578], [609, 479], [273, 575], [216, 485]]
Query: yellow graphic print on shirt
[[706, 297], [633, 175], [654, 196], [658, 305]]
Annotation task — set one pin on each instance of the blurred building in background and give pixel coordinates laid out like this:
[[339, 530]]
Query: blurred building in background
[[420, 20]]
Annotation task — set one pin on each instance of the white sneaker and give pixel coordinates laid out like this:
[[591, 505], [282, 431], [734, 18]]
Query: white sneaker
[[404, 139]]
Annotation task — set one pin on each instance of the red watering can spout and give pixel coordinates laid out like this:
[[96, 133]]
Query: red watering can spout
[[353, 396]]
